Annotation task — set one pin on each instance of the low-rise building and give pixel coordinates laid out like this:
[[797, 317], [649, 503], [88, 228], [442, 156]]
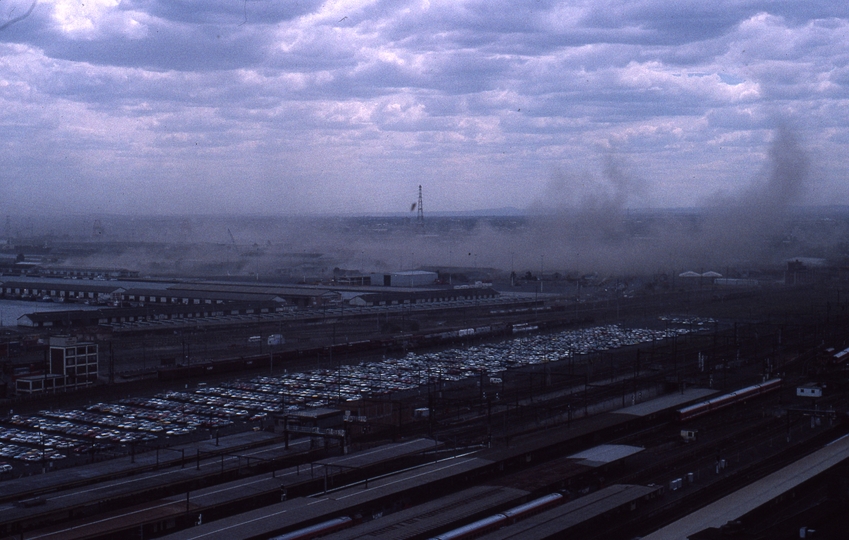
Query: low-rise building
[[63, 290], [410, 278], [71, 365], [390, 298]]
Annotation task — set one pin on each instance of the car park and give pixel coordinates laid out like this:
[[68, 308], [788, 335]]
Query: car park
[[46, 435]]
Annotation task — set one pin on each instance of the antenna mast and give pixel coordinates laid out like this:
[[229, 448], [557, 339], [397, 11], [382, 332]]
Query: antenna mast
[[420, 214]]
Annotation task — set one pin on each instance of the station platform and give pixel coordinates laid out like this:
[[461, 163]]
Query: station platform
[[666, 402], [301, 512], [421, 519], [756, 494], [577, 513], [605, 454]]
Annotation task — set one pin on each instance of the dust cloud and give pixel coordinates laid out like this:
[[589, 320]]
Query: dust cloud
[[584, 223]]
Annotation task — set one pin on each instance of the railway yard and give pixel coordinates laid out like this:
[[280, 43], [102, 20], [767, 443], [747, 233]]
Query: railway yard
[[659, 418]]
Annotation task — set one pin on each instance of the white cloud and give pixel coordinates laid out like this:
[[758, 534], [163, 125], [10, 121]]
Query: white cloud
[[91, 19], [472, 98]]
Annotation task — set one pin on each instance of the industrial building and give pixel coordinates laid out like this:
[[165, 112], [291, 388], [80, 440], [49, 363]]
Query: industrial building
[[421, 297], [143, 293], [292, 296], [62, 291], [410, 278], [144, 297], [72, 365], [152, 314], [84, 272]]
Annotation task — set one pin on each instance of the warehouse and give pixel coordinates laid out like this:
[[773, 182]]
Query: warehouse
[[62, 291], [144, 297], [83, 272], [144, 293], [421, 297], [411, 278], [113, 316], [292, 296]]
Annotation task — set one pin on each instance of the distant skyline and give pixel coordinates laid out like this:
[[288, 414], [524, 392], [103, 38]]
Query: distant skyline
[[150, 107]]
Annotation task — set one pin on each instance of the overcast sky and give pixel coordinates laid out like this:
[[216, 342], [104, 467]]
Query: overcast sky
[[298, 107]]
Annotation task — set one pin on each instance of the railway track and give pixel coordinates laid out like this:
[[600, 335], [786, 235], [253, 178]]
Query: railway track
[[733, 481], [521, 407]]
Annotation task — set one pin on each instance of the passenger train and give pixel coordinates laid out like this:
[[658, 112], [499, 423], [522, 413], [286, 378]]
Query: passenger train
[[726, 400], [471, 530], [491, 523], [319, 529]]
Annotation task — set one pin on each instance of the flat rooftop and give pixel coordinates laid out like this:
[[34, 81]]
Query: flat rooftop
[[667, 401], [604, 454]]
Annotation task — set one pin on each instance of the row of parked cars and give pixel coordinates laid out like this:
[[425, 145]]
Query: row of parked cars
[[31, 446], [143, 419], [43, 423], [169, 413], [340, 383]]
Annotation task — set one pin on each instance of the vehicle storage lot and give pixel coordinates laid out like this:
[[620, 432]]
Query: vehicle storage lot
[[172, 417]]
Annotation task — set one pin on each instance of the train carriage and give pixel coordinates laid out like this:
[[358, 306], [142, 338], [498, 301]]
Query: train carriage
[[726, 400]]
